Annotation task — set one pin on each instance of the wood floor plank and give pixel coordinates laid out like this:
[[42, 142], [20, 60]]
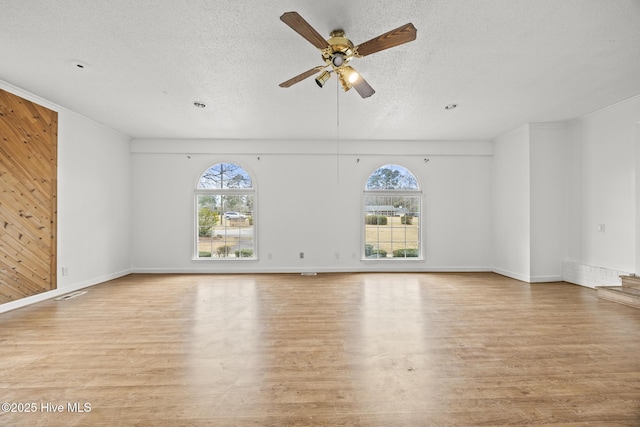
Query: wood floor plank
[[366, 349]]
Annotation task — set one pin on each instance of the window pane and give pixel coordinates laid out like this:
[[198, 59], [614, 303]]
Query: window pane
[[225, 226], [392, 226], [392, 177], [225, 176]]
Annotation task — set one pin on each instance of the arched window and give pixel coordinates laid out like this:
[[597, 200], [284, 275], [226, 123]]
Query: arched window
[[225, 206], [392, 200]]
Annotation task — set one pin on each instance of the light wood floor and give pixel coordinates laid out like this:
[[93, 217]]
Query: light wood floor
[[334, 349]]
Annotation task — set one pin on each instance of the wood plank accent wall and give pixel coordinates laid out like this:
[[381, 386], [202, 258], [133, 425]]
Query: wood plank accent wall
[[28, 203]]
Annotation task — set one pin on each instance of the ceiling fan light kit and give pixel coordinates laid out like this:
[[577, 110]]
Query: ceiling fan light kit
[[323, 77], [338, 51], [338, 59]]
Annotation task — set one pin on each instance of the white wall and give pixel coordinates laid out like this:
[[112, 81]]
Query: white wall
[[530, 207], [548, 192], [94, 202], [310, 200], [603, 190], [511, 205], [128, 205]]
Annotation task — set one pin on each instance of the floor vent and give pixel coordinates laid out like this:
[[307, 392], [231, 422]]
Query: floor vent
[[309, 274], [71, 295]]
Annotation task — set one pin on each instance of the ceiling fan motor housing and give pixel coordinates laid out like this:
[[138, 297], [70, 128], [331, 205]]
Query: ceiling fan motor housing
[[340, 50]]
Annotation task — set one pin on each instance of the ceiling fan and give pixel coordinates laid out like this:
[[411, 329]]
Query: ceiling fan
[[338, 51]]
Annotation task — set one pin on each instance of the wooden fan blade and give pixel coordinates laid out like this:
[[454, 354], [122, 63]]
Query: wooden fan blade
[[300, 77], [362, 87], [400, 35], [302, 27]]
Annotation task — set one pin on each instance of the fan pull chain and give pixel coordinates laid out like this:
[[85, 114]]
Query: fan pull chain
[[338, 131]]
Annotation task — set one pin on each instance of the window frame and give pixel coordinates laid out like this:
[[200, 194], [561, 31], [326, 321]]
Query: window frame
[[392, 193], [223, 192]]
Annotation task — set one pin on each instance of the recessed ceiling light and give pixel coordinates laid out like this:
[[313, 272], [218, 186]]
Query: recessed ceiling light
[[450, 106], [199, 104]]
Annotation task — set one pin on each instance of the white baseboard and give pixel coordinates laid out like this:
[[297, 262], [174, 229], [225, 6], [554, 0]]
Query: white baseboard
[[511, 274], [378, 268], [527, 278], [545, 279], [23, 302]]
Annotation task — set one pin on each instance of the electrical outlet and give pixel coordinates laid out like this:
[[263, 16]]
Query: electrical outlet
[[301, 255], [65, 271]]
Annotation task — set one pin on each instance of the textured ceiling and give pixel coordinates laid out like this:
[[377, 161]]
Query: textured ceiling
[[504, 62]]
